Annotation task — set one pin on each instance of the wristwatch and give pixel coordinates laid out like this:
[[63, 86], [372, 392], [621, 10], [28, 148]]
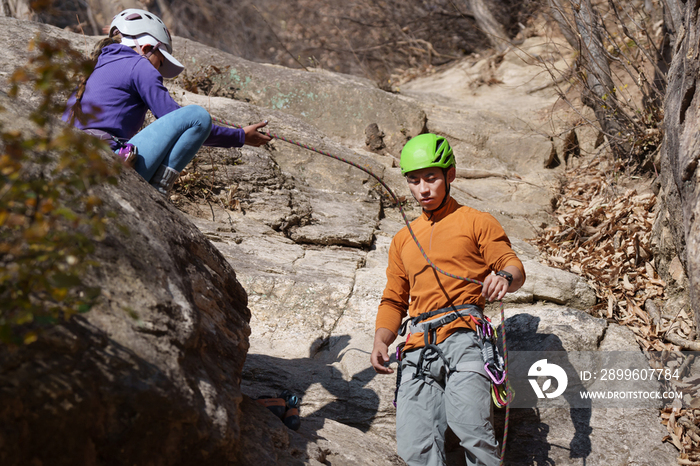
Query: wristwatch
[[507, 276]]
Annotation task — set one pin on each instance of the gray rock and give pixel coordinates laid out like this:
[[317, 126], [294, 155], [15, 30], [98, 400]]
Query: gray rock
[[548, 328], [353, 221], [313, 198], [342, 106], [579, 436], [556, 286], [618, 338], [339, 444], [317, 442], [152, 373]]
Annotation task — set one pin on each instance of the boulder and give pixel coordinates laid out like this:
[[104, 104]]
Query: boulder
[[152, 373], [342, 106], [626, 434], [312, 198], [554, 285]]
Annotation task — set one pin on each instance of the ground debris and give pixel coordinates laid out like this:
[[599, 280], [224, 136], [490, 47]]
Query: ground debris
[[604, 234]]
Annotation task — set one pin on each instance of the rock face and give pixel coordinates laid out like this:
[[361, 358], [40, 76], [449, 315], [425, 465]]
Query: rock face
[[592, 435], [274, 284], [554, 285], [681, 151], [341, 106], [152, 373]]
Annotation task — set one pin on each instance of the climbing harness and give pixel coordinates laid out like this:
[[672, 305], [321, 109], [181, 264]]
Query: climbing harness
[[421, 324], [494, 364], [126, 151], [503, 395]]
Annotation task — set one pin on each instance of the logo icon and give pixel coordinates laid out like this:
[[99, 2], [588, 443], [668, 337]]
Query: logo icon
[[542, 368]]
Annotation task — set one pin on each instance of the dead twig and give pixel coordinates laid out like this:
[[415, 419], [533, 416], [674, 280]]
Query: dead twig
[[474, 174], [682, 342], [686, 365]]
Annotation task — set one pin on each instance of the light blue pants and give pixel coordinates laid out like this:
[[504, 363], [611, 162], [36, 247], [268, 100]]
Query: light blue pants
[[172, 140], [461, 400]]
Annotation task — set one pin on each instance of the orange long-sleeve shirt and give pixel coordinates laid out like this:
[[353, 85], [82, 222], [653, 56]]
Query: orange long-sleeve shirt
[[459, 240]]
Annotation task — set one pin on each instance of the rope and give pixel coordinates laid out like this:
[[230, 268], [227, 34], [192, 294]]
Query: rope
[[425, 256]]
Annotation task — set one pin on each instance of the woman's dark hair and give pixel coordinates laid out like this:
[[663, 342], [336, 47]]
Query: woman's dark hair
[[77, 110]]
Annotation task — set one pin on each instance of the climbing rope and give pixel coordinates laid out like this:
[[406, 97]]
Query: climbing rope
[[508, 394]]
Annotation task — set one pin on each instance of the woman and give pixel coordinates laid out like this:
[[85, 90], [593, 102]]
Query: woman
[[128, 81]]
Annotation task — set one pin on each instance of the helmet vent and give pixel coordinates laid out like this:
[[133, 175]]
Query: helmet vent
[[438, 154], [133, 16]]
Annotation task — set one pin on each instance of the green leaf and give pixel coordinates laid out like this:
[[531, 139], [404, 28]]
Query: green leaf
[[91, 293], [65, 280], [45, 319], [83, 308]]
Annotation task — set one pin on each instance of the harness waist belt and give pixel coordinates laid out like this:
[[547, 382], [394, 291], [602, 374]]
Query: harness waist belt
[[420, 324], [98, 133], [105, 136]]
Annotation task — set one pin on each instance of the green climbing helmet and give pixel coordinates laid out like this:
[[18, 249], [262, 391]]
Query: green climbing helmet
[[424, 151]]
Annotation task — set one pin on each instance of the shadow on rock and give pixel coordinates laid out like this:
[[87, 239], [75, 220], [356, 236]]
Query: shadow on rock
[[326, 392], [77, 396], [534, 432]]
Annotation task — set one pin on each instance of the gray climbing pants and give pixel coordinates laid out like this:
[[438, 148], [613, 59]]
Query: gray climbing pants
[[427, 405]]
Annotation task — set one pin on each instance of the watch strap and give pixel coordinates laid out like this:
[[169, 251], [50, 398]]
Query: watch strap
[[506, 275]]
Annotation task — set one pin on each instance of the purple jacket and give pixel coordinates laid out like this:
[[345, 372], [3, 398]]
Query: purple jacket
[[123, 87]]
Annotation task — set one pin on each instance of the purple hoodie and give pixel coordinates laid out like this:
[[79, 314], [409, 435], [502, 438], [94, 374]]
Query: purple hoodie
[[123, 87]]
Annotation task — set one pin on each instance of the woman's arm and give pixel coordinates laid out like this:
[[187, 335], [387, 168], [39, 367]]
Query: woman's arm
[[149, 84]]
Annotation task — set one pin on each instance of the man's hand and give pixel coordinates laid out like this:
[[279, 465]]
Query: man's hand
[[496, 287], [255, 138], [380, 352]]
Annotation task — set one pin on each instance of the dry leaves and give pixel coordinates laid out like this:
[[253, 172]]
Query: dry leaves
[[604, 235], [683, 432]]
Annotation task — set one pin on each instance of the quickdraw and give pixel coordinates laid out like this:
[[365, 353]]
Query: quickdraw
[[503, 395]]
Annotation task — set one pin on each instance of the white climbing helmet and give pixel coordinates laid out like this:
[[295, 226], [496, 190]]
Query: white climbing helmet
[[140, 27]]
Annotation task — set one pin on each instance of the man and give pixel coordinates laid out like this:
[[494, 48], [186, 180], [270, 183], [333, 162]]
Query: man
[[443, 381]]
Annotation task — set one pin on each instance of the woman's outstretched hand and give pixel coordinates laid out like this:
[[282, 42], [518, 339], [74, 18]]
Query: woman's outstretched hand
[[255, 138]]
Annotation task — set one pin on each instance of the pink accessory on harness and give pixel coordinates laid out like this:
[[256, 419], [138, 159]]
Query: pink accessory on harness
[[128, 153]]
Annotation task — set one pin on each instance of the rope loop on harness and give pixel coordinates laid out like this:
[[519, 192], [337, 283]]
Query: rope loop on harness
[[502, 395]]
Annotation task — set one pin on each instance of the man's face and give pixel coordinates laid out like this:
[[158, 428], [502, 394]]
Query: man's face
[[428, 186]]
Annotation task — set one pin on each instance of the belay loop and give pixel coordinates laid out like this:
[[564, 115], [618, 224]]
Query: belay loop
[[503, 393]]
